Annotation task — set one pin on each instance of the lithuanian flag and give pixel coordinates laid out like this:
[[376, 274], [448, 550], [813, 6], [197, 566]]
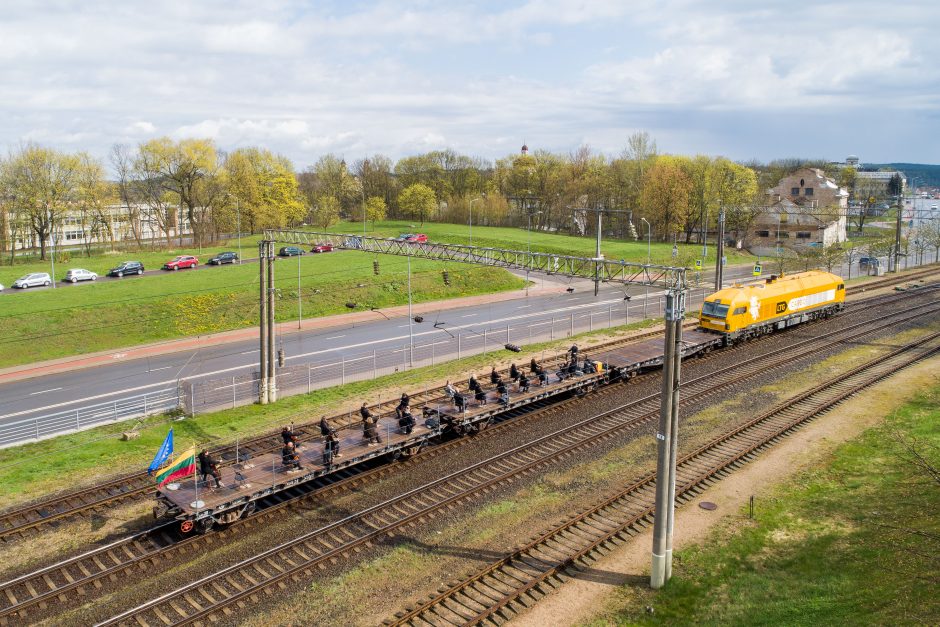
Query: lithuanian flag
[[182, 466]]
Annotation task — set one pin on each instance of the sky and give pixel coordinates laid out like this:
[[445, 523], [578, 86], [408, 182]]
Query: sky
[[745, 79]]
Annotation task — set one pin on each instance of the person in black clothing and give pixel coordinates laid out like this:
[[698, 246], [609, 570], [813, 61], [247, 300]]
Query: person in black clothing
[[287, 434], [513, 373], [460, 402], [503, 392], [589, 366], [494, 376], [209, 468], [474, 385], [480, 395], [405, 399], [533, 366], [543, 378], [369, 422], [289, 457], [523, 383], [330, 441], [405, 420], [573, 351]]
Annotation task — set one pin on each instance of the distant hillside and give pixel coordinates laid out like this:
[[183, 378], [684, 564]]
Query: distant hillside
[[925, 173]]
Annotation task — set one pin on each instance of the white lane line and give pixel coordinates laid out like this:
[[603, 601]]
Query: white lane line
[[44, 391], [524, 307], [163, 368], [251, 351], [334, 337], [469, 315]]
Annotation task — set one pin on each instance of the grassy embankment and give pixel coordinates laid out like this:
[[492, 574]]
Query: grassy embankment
[[31, 470], [854, 541], [107, 315]]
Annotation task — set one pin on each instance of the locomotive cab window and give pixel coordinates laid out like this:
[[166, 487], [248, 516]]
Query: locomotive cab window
[[841, 286], [740, 310], [715, 310]]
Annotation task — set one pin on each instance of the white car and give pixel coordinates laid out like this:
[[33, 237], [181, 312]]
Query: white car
[[35, 279], [79, 274]]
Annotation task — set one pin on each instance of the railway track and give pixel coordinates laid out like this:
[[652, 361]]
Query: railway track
[[29, 519], [243, 583], [507, 586], [73, 576]]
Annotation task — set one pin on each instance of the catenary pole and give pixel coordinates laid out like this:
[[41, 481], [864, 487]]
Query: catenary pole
[[674, 427], [272, 382], [263, 322], [719, 266]]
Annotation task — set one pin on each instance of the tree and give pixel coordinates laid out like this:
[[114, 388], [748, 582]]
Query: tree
[[375, 209], [326, 211], [91, 197], [418, 201], [665, 197], [122, 162], [266, 189]]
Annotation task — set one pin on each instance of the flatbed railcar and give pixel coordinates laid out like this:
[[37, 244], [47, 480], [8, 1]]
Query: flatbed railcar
[[727, 316]]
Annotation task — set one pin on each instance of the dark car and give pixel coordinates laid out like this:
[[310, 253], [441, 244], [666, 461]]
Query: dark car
[[128, 267], [290, 251], [226, 257]]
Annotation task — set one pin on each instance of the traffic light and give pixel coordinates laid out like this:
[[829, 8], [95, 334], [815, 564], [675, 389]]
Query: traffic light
[[375, 267], [446, 277]]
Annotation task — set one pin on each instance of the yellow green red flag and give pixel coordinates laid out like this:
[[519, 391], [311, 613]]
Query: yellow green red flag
[[181, 467]]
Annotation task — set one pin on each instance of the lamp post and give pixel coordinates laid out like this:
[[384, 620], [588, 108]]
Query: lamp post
[[238, 224], [411, 320], [528, 245], [649, 241], [52, 241], [470, 223]]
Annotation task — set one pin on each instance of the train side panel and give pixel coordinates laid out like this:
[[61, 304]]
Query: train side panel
[[745, 310]]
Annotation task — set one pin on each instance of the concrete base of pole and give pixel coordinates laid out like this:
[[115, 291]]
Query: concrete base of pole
[[263, 394], [668, 573], [272, 393], [658, 572]]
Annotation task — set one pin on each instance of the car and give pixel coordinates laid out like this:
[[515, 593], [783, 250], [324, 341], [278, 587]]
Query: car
[[74, 275], [414, 238], [128, 267], [1, 287], [322, 248], [34, 279], [226, 257], [182, 261], [290, 251]]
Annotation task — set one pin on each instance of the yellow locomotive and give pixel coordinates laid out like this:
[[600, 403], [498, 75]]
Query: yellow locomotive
[[744, 311]]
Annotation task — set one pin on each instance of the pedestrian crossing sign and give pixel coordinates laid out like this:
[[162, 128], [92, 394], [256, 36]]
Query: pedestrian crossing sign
[[698, 264], [757, 269]]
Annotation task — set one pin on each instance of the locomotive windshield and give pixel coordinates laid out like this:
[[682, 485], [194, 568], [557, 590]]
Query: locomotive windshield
[[714, 310]]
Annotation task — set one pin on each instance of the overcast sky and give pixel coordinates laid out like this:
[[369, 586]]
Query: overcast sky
[[740, 78]]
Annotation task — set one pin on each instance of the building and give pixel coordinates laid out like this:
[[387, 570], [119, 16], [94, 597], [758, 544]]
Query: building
[[804, 209]]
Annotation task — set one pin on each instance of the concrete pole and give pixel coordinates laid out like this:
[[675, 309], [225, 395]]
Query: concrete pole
[[663, 446], [272, 363], [674, 429], [897, 238], [263, 324], [719, 267]]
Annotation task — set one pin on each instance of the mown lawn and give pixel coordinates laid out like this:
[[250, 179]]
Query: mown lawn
[[855, 542]]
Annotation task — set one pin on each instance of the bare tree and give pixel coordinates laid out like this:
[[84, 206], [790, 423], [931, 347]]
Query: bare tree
[[123, 163]]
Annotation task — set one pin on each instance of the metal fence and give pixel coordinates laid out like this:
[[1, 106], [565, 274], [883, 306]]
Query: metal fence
[[69, 421]]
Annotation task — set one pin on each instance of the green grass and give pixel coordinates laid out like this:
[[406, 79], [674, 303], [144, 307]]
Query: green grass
[[854, 542], [30, 470], [73, 320]]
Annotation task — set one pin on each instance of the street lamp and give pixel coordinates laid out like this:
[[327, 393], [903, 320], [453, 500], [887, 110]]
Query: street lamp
[[52, 241], [649, 240], [528, 245], [471, 217]]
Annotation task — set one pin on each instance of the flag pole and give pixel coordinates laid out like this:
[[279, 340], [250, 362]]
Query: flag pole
[[195, 479]]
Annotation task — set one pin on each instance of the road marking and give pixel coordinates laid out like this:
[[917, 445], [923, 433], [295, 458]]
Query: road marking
[[334, 337], [44, 391], [118, 355], [469, 315], [524, 307], [251, 351], [163, 368]]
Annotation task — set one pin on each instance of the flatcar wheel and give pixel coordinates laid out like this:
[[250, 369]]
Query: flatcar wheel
[[249, 509], [204, 525], [187, 527]]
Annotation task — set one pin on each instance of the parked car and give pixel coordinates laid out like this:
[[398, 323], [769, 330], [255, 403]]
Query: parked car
[[226, 257], [183, 261], [866, 263], [1, 287], [128, 267], [34, 279], [322, 248], [290, 251], [75, 275], [415, 238]]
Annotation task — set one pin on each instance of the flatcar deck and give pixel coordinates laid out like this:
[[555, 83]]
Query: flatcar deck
[[252, 479]]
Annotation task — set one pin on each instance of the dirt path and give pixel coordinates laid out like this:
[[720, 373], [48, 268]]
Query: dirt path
[[580, 599]]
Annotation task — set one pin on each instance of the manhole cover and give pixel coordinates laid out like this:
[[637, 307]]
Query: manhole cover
[[708, 505]]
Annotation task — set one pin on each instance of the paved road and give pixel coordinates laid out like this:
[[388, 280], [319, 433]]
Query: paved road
[[79, 388]]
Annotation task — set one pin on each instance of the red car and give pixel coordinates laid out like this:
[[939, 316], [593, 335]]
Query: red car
[[322, 248], [183, 261], [415, 238]]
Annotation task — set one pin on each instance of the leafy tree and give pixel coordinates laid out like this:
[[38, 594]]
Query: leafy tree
[[417, 200], [326, 211], [91, 198], [266, 190], [375, 209], [665, 196]]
